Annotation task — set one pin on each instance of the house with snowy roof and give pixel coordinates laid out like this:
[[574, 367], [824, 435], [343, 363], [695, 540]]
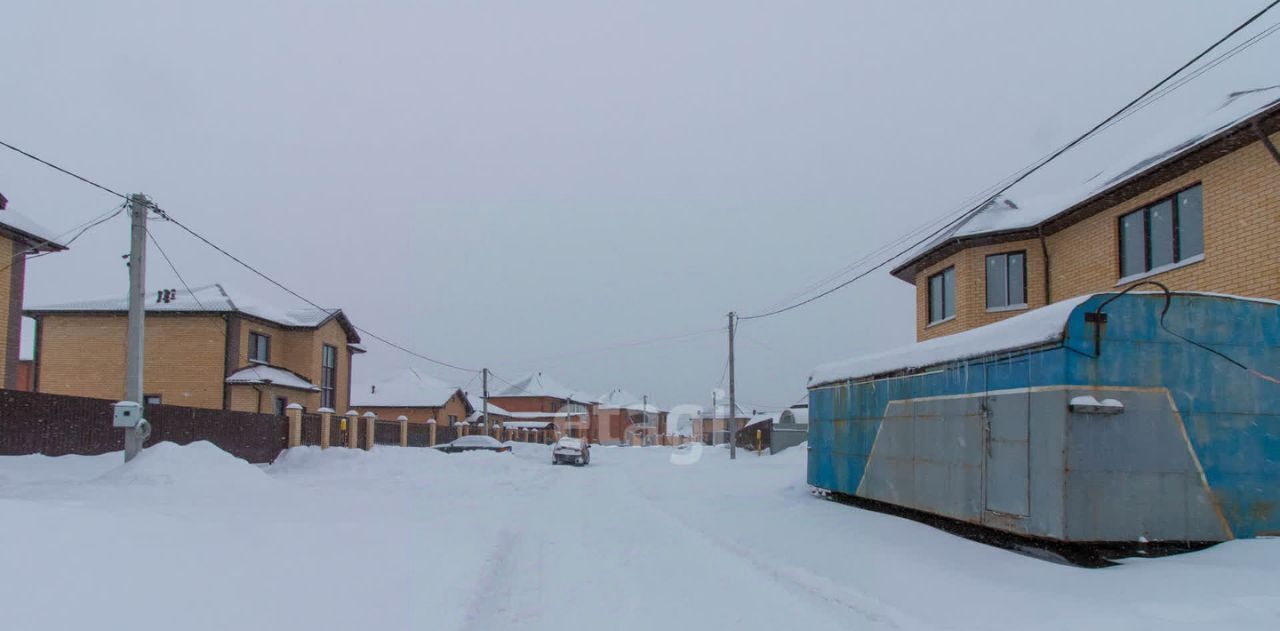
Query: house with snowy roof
[[540, 398], [624, 416], [1198, 209], [20, 237], [416, 396], [209, 347]]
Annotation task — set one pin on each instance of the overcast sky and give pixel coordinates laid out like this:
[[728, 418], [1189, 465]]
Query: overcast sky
[[521, 184]]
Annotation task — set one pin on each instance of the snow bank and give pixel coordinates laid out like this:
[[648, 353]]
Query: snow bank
[[196, 464], [384, 462], [1033, 328], [37, 468]]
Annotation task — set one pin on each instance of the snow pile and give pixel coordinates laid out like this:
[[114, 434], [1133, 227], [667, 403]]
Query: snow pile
[[199, 464], [42, 468], [383, 463], [1033, 328]]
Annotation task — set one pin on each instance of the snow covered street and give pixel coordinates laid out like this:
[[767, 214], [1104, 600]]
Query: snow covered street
[[403, 538]]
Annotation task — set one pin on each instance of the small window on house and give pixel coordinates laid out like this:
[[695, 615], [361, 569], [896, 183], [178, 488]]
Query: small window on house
[[1167, 232], [328, 375], [260, 348], [151, 399], [1007, 280], [453, 419], [281, 404], [942, 295]]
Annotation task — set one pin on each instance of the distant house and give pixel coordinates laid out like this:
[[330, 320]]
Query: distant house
[[712, 426], [1199, 210], [497, 414], [208, 348], [539, 397], [411, 394], [623, 415], [19, 238]]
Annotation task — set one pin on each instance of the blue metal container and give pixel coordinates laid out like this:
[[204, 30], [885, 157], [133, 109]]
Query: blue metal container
[[1114, 431]]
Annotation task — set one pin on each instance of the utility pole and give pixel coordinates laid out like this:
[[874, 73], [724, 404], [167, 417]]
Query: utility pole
[[139, 206], [488, 431], [644, 409], [733, 402]]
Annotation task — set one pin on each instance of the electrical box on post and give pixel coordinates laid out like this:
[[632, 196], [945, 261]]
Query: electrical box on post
[[127, 414]]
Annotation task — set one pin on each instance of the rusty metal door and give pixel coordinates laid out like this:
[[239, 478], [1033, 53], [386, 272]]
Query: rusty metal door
[[1007, 467]]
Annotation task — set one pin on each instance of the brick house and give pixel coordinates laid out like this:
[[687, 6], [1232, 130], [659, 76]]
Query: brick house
[[1200, 211], [622, 415], [208, 348], [539, 397], [415, 396], [19, 237]]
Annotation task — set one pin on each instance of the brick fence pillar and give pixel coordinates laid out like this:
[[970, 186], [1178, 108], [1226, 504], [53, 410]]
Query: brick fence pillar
[[370, 428], [294, 413], [431, 432], [404, 430], [326, 426], [352, 420]]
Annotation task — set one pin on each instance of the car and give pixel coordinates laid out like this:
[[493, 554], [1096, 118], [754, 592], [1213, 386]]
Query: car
[[474, 443], [570, 450]]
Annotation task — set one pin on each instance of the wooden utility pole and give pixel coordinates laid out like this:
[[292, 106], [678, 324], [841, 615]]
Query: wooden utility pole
[[733, 401]]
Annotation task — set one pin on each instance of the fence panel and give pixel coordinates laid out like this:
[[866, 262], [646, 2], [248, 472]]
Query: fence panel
[[419, 435], [57, 425], [311, 429], [387, 433], [446, 434]]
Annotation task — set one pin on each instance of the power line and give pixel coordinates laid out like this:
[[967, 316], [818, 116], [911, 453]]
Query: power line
[[1037, 166], [34, 251], [175, 269]]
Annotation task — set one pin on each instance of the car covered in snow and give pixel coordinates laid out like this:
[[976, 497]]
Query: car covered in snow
[[571, 450], [473, 443]]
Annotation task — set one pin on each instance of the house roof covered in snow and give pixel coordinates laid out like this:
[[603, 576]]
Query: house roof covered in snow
[[540, 385], [620, 399], [23, 229], [1186, 147], [406, 388], [271, 375], [478, 403], [215, 298], [797, 415]]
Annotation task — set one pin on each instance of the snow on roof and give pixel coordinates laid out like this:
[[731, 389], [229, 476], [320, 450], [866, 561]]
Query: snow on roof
[[41, 238], [494, 409], [527, 424], [762, 418], [405, 388], [545, 414], [540, 385], [214, 298], [272, 375], [799, 416], [1033, 328], [620, 399], [1004, 214]]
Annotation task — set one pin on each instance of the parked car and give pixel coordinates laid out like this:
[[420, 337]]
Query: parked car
[[573, 451], [474, 443]]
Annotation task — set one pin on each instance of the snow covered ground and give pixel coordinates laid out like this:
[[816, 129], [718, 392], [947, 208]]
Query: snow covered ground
[[190, 538]]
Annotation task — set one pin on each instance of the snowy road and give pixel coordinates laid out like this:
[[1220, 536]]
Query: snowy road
[[412, 539]]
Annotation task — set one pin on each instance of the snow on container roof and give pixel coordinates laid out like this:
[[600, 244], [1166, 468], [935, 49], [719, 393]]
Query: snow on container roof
[[1006, 214], [216, 298], [272, 375], [1033, 328], [406, 388]]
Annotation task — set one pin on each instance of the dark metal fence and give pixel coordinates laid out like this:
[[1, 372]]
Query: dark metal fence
[[56, 425], [753, 437], [446, 434], [419, 435], [386, 433], [311, 429]]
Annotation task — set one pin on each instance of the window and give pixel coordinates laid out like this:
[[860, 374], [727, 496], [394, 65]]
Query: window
[[453, 419], [151, 399], [328, 376], [942, 295], [281, 404], [1007, 280], [259, 348], [1167, 232]]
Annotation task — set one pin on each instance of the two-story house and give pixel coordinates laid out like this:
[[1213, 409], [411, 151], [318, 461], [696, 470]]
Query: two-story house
[[19, 238], [1199, 211], [208, 348], [539, 397], [413, 395]]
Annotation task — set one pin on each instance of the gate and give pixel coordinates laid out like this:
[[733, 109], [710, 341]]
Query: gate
[[1007, 466]]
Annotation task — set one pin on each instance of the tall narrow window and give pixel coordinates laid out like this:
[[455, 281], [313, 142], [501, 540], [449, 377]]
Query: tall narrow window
[[259, 348], [328, 376], [1007, 280], [1167, 232], [942, 295]]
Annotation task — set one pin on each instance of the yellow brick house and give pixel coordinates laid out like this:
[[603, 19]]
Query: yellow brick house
[[1197, 211], [19, 238], [207, 348]]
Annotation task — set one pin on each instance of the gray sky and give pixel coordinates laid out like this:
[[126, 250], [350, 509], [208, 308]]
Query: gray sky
[[505, 183]]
